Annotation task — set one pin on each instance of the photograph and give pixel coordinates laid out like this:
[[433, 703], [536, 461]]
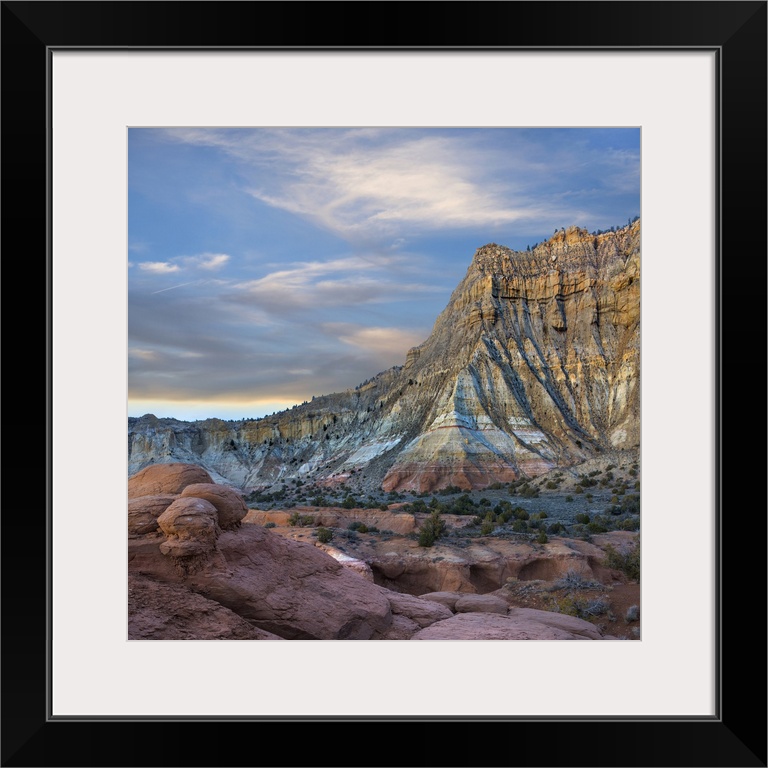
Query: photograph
[[416, 334], [384, 383]]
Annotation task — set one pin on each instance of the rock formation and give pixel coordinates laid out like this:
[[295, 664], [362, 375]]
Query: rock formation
[[190, 577], [533, 364]]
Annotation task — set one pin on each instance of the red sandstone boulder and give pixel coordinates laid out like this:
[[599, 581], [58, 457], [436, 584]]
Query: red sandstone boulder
[[289, 588], [143, 512], [421, 612], [480, 604], [536, 625], [448, 599], [191, 527], [165, 478], [228, 502], [172, 612]]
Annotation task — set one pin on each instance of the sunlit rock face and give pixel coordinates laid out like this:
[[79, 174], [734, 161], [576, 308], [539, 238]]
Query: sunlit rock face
[[534, 363]]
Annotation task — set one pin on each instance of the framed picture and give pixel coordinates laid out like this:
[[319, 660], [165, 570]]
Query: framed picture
[[77, 76]]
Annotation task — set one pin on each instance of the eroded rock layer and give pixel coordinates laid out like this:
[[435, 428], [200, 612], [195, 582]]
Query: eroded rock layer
[[533, 364]]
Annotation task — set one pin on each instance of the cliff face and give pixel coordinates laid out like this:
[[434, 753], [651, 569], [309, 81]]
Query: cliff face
[[534, 363]]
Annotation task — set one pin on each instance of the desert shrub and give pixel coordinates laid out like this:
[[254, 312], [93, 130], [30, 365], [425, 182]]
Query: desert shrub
[[581, 607], [520, 526], [294, 519], [306, 521], [631, 504], [582, 517], [431, 529], [555, 528], [372, 529], [595, 527], [484, 502], [569, 498], [628, 524], [542, 537], [574, 580], [354, 525], [578, 489], [383, 507], [628, 562], [270, 525], [550, 486], [633, 613], [324, 535], [486, 529], [521, 514]]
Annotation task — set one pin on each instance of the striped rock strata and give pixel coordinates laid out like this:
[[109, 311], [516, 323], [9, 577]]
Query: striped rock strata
[[533, 364]]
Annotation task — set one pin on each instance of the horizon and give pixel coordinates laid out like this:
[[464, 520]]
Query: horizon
[[268, 266]]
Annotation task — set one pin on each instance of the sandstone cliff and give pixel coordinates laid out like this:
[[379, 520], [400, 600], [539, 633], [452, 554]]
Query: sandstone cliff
[[534, 363]]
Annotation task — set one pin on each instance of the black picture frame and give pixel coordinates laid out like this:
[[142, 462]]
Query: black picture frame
[[736, 736]]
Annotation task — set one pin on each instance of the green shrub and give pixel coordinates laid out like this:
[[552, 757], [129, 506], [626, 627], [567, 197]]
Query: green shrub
[[550, 486], [578, 489], [270, 525], [569, 498], [594, 527], [383, 507], [555, 528], [542, 537], [431, 529], [521, 514], [582, 517], [324, 535], [294, 519], [628, 562], [520, 526], [487, 527], [581, 607]]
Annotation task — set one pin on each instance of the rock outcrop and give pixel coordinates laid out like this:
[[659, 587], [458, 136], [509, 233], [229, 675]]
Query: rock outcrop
[[519, 624], [533, 364], [191, 578]]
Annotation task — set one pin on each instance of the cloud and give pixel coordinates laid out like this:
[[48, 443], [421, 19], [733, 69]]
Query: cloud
[[336, 283], [159, 267], [208, 261], [382, 342], [143, 354]]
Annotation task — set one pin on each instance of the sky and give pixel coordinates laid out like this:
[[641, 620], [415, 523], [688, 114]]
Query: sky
[[268, 265]]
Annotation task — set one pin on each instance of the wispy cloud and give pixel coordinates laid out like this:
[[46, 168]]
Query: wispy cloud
[[207, 261], [338, 282], [159, 267], [381, 342]]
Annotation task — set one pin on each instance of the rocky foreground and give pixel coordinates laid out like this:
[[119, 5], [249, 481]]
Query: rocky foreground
[[202, 567]]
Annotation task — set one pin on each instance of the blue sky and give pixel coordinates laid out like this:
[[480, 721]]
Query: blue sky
[[269, 265]]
